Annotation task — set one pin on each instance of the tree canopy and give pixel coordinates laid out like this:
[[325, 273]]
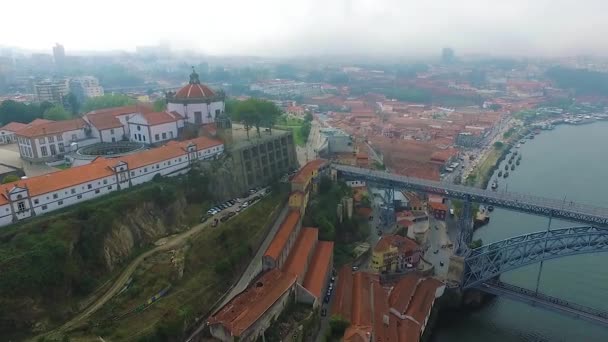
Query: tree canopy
[[160, 105], [12, 111], [107, 101], [583, 81], [57, 113], [256, 113]]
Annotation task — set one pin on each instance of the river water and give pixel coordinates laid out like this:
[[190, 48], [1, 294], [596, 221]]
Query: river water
[[569, 162]]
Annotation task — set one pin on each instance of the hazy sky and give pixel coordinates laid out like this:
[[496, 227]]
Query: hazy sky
[[313, 27]]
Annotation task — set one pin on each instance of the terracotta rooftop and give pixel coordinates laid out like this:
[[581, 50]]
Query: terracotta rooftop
[[402, 243], [13, 126], [52, 127], [159, 118], [100, 167], [320, 265], [423, 299], [306, 172], [362, 306], [40, 121], [102, 121], [299, 255], [280, 239], [123, 110], [248, 306], [342, 302], [438, 206], [194, 91], [402, 293]]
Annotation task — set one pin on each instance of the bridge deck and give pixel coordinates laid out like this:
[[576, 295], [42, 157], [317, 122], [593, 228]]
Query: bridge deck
[[546, 302], [562, 209]]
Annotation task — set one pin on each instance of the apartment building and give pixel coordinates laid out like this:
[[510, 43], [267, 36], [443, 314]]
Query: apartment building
[[51, 90], [85, 87], [42, 194]]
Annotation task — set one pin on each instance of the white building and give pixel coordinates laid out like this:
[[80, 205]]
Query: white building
[[7, 132], [155, 127], [196, 102], [48, 141], [51, 90], [85, 87], [39, 195]]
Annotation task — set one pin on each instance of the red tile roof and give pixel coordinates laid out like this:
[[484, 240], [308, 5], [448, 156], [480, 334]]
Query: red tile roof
[[402, 243], [13, 126], [123, 110], [299, 255], [280, 239], [320, 265], [52, 127], [103, 121], [159, 118], [362, 306], [438, 206], [40, 121], [422, 301], [100, 167], [305, 173], [343, 298], [402, 293], [248, 306], [194, 91]]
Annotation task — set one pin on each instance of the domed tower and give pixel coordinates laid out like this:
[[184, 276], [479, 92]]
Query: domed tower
[[196, 102], [223, 126]]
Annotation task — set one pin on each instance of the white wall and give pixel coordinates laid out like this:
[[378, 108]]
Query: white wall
[[188, 110], [139, 133], [107, 135], [169, 129], [94, 188]]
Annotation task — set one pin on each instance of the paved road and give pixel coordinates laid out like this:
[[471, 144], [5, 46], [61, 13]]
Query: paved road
[[438, 236], [122, 279]]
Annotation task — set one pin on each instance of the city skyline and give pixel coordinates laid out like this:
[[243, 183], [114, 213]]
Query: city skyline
[[312, 28]]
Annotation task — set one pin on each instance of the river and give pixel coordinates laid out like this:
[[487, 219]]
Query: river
[[570, 162]]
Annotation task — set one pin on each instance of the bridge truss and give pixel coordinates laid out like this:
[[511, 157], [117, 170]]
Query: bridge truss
[[489, 261]]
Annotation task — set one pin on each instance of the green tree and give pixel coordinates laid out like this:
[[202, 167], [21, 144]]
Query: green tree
[[10, 178], [107, 101], [160, 105], [57, 113], [256, 113], [499, 145], [73, 104], [338, 325], [19, 112]]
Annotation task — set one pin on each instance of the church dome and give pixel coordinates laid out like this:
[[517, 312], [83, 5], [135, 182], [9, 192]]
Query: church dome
[[194, 89]]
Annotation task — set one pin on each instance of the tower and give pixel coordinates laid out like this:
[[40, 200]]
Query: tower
[[223, 127]]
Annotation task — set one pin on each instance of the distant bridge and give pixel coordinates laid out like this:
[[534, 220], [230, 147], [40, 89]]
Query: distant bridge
[[489, 261], [545, 302]]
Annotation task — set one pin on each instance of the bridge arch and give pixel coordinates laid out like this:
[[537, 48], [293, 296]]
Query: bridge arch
[[489, 261]]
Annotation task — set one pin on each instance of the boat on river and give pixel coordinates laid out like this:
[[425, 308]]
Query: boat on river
[[494, 185], [512, 167], [506, 174], [500, 173]]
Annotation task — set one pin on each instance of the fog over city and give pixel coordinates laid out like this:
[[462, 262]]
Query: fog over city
[[313, 27]]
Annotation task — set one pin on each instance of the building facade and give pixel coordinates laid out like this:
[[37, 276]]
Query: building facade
[[42, 194], [51, 140], [51, 90], [196, 102], [85, 87], [393, 253]]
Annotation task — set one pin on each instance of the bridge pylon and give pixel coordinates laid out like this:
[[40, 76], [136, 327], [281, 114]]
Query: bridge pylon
[[465, 227], [388, 211]]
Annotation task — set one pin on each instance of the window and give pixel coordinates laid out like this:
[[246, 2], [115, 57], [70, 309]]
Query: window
[[132, 173], [59, 138], [96, 191], [112, 131], [157, 167], [180, 159], [73, 191], [41, 140], [123, 177], [61, 148], [138, 127], [21, 206], [217, 112], [55, 196], [79, 196], [105, 181], [50, 139], [44, 152], [44, 207], [164, 135], [74, 137], [89, 186], [156, 137], [53, 150], [171, 134], [110, 187], [143, 136], [36, 201], [169, 162], [145, 169], [113, 139], [60, 202]]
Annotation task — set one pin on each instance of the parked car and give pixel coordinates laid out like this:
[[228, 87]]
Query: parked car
[[324, 311], [215, 223], [355, 268], [230, 214], [436, 251], [239, 209], [326, 300], [225, 218], [333, 279], [441, 263]]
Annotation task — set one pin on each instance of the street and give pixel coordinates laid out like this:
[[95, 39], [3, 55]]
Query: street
[[436, 254]]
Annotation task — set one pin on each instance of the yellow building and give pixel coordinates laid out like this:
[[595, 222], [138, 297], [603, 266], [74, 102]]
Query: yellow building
[[303, 179], [298, 200], [393, 253]]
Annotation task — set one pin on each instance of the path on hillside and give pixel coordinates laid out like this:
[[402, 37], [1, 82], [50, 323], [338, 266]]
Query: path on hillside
[[122, 279], [253, 269]]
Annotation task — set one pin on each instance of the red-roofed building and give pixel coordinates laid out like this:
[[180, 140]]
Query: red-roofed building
[[319, 271], [395, 252], [7, 132], [301, 253], [196, 103], [155, 127], [398, 315], [283, 241], [250, 313], [438, 210], [41, 194], [303, 179], [49, 140]]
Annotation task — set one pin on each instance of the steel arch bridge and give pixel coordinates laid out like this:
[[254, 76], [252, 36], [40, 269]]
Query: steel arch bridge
[[487, 262]]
